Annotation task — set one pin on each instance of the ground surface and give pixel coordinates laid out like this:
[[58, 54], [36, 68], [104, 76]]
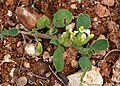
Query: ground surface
[[14, 46]]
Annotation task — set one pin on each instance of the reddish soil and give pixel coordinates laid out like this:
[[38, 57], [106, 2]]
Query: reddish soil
[[15, 45]]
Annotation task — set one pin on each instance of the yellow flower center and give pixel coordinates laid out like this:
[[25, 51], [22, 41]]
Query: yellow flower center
[[72, 33], [81, 27], [92, 35], [82, 40]]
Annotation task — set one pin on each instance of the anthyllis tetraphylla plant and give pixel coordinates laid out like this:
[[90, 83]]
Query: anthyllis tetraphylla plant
[[77, 38]]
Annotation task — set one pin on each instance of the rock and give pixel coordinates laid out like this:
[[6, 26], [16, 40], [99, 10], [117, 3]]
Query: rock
[[108, 2], [70, 27], [79, 1], [28, 19], [74, 63], [30, 49], [51, 59], [5, 84], [46, 56], [108, 84], [7, 59], [72, 1], [95, 19], [73, 6], [26, 64], [102, 11], [92, 78], [48, 74], [12, 72], [101, 37], [116, 72], [30, 82], [9, 13], [57, 84], [114, 33], [19, 43], [22, 81]]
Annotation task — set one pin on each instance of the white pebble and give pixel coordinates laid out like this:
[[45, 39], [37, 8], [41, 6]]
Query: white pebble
[[9, 13]]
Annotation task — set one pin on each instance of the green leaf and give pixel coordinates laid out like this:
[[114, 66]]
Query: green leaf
[[13, 32], [67, 43], [74, 39], [54, 31], [1, 35], [54, 41], [60, 40], [58, 60], [43, 22], [66, 35], [83, 62], [5, 32], [85, 41], [61, 48], [78, 39], [62, 18], [83, 20], [101, 44], [39, 48]]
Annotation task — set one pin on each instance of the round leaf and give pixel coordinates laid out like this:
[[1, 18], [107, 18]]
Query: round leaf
[[101, 44], [13, 32], [43, 22], [83, 62], [62, 18], [83, 20]]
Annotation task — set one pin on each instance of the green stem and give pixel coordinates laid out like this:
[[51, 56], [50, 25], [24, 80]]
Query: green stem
[[84, 72], [44, 36]]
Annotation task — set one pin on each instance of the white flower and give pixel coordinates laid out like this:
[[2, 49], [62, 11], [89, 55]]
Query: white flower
[[87, 31], [73, 34], [82, 31], [83, 36], [63, 34]]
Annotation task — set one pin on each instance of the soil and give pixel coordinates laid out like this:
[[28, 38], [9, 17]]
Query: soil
[[14, 46]]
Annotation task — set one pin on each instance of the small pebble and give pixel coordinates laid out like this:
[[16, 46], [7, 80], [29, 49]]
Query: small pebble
[[95, 19], [74, 63], [116, 72], [30, 82], [57, 84], [73, 1], [102, 11], [26, 64], [46, 56], [48, 74], [22, 81], [30, 49], [73, 6], [51, 59], [12, 72], [79, 1], [108, 2], [70, 27], [9, 13], [19, 43]]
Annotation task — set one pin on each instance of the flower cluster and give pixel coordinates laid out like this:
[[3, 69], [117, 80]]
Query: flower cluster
[[84, 33]]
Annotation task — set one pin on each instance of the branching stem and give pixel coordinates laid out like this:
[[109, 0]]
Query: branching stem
[[44, 36]]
